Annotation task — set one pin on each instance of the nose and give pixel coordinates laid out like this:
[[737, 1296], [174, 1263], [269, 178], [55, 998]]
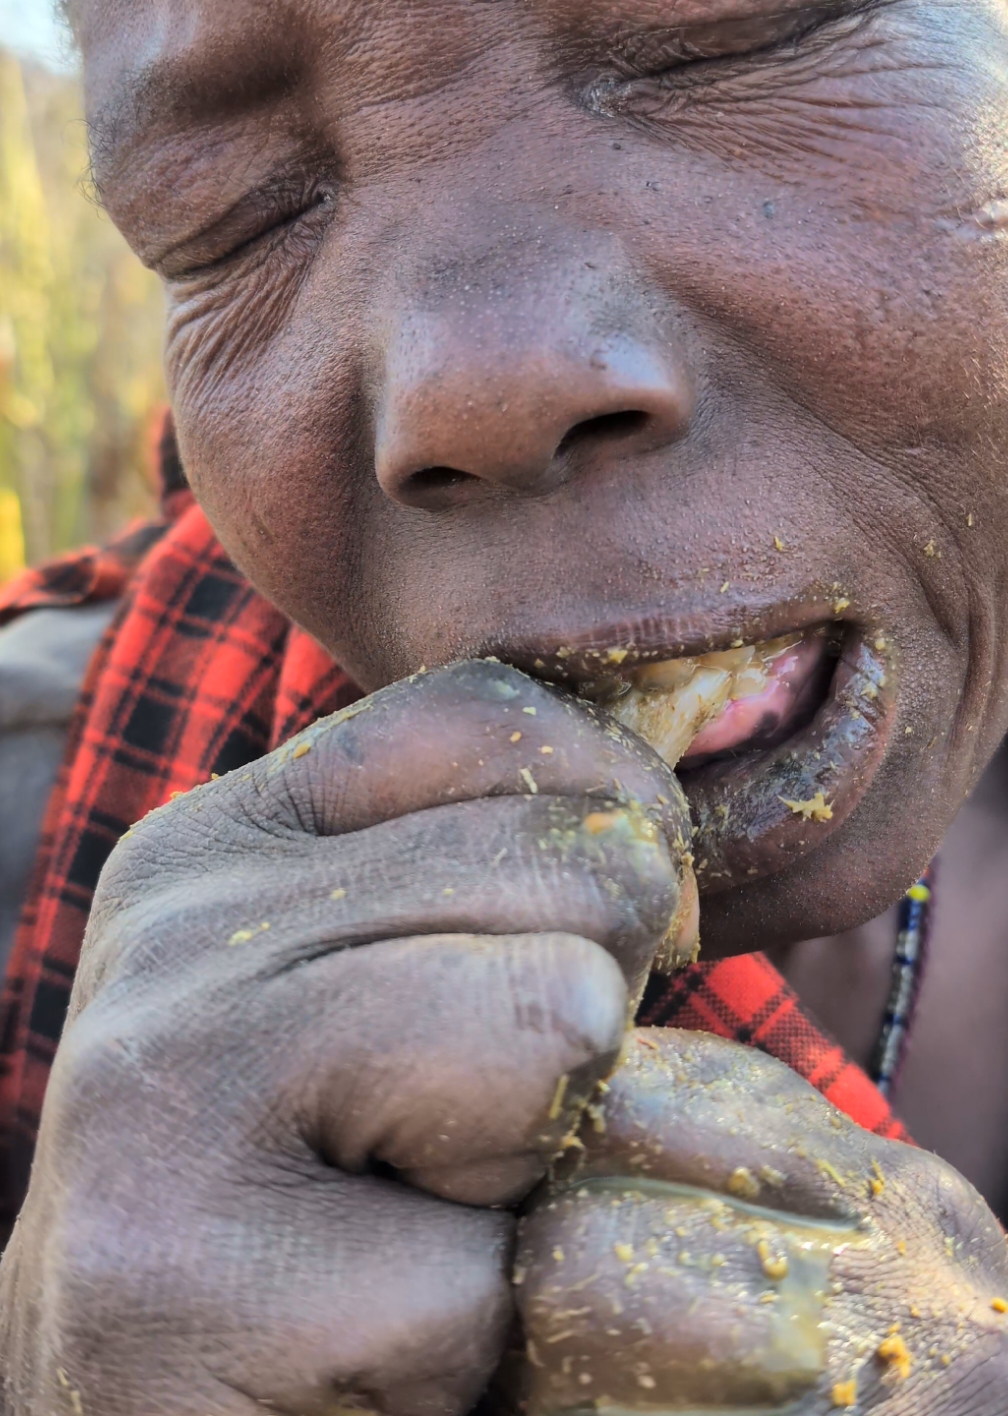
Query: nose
[[520, 391]]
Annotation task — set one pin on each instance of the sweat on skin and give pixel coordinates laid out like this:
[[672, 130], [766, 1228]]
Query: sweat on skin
[[583, 337]]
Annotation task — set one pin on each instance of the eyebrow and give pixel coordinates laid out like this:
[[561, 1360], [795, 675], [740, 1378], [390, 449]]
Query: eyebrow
[[184, 88]]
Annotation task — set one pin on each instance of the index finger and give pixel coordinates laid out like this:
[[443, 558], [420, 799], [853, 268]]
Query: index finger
[[476, 729]]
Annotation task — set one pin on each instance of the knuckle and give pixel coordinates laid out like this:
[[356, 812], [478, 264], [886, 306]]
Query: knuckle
[[90, 1077]]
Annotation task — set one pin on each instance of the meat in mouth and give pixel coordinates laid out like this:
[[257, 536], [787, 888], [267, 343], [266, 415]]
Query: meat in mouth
[[774, 742], [691, 710]]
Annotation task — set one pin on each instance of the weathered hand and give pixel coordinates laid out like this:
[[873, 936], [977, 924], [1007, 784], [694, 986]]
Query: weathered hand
[[727, 1240], [322, 1001]]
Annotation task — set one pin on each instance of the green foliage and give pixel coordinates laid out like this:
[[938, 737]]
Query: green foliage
[[80, 329]]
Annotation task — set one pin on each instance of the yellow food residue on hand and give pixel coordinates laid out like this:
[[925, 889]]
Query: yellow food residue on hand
[[896, 1355], [774, 1266]]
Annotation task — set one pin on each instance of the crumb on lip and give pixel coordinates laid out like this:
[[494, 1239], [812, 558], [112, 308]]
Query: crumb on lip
[[817, 808]]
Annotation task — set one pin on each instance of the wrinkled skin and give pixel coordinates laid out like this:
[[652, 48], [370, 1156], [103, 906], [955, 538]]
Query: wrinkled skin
[[415, 253], [308, 1003]]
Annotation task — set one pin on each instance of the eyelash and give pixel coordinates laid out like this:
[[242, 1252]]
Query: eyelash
[[611, 94], [265, 242]]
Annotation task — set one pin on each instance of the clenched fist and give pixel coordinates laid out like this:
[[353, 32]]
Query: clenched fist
[[333, 1012]]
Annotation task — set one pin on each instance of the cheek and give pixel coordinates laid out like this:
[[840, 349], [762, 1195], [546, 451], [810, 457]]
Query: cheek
[[271, 436], [861, 246], [273, 432]]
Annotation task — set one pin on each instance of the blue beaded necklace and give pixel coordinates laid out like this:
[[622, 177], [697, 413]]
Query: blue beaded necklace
[[912, 942]]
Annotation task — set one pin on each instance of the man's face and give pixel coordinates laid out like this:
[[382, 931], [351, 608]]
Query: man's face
[[589, 332]]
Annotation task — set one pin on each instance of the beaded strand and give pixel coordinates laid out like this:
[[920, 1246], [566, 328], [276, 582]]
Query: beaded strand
[[912, 942]]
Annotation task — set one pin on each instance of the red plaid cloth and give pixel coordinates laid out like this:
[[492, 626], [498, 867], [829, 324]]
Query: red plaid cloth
[[199, 674]]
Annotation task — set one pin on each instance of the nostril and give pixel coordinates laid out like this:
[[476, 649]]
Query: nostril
[[607, 425], [432, 488], [436, 479]]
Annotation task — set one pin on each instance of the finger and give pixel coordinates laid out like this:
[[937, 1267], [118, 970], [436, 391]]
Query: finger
[[449, 737], [652, 1297], [461, 1062], [686, 1253], [300, 1291], [506, 865], [693, 1109], [475, 729], [468, 1092], [726, 1237], [385, 1301]]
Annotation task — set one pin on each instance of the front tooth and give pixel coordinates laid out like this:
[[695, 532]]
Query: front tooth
[[731, 659], [665, 677], [670, 721]]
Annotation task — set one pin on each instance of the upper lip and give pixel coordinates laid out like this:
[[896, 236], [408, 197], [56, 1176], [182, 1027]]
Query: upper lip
[[580, 656]]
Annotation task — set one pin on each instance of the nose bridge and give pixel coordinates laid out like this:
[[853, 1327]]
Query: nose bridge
[[503, 354]]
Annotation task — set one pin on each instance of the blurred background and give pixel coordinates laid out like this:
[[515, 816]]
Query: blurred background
[[81, 388]]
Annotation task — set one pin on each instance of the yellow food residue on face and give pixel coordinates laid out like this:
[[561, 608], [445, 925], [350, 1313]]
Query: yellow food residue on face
[[556, 1105], [242, 936], [817, 808], [845, 1394]]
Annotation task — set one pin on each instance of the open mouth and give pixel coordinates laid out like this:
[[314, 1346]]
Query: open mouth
[[774, 741], [694, 710]]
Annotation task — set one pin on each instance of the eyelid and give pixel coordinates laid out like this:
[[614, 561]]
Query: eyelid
[[254, 217], [713, 43]]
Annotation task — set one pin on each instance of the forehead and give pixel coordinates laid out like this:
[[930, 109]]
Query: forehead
[[150, 62]]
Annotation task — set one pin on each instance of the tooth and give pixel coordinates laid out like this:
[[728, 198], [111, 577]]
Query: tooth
[[774, 648], [665, 677], [749, 682], [670, 720], [731, 659], [669, 703]]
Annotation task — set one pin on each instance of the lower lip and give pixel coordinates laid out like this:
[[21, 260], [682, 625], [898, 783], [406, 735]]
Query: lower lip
[[744, 826]]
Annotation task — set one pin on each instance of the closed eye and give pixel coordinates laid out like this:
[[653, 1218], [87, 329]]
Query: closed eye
[[260, 223], [768, 37]]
